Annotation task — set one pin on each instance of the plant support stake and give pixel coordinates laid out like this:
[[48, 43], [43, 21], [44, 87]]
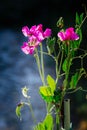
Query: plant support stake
[[67, 114]]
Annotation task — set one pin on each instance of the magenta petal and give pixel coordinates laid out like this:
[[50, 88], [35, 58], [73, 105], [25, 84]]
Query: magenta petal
[[39, 28], [25, 31], [32, 29], [75, 36], [69, 34], [27, 49], [61, 35], [47, 33], [32, 48], [39, 36]]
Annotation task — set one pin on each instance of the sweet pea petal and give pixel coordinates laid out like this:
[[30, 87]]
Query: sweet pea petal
[[69, 34], [34, 41], [47, 33], [39, 28], [25, 31], [61, 35], [27, 49], [75, 37]]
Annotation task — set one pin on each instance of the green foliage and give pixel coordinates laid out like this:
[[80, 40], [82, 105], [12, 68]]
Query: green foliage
[[47, 92], [57, 95], [66, 64], [18, 109], [47, 124], [76, 77], [74, 80], [51, 44], [51, 83], [79, 18]]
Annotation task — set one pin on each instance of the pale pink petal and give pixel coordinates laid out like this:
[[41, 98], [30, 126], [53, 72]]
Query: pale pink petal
[[32, 48], [39, 36], [61, 35], [27, 49], [34, 41], [25, 31]]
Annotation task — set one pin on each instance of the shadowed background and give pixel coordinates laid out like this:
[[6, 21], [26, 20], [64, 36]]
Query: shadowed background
[[17, 69]]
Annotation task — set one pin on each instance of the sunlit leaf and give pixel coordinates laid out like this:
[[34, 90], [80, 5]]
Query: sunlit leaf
[[39, 126], [48, 122], [46, 94], [51, 83]]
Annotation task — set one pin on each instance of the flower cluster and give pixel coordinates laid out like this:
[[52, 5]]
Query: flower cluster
[[35, 36]]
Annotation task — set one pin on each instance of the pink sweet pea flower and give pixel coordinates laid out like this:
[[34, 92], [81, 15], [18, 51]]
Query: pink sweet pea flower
[[69, 34], [27, 49], [35, 36]]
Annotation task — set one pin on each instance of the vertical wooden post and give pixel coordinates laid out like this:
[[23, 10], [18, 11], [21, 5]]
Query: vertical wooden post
[[67, 114]]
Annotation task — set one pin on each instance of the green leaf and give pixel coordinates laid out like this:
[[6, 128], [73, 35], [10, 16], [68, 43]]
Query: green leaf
[[81, 17], [76, 77], [39, 126], [18, 109], [57, 95], [77, 19], [50, 44], [46, 94], [66, 64], [48, 122], [45, 90], [74, 80], [51, 83]]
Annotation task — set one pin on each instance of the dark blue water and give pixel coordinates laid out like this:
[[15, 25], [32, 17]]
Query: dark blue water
[[16, 71]]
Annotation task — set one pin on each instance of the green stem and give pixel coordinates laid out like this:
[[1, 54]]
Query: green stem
[[42, 63], [32, 113], [45, 53], [57, 69], [31, 109], [83, 21], [38, 64]]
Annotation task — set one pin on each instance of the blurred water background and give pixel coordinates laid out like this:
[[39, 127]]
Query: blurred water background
[[17, 69]]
